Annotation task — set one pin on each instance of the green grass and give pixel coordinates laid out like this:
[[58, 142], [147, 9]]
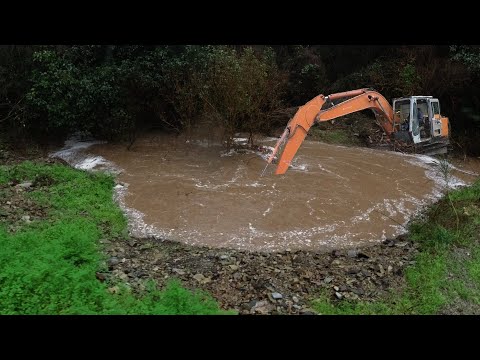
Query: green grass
[[49, 266], [447, 270]]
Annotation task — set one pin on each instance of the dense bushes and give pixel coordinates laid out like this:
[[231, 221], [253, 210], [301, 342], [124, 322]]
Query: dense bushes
[[112, 93]]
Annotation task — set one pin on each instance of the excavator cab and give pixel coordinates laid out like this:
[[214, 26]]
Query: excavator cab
[[417, 119]]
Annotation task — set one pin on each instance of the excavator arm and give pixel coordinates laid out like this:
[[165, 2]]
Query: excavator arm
[[312, 112]]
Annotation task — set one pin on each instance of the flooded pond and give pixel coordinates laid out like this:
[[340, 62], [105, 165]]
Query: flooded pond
[[331, 197]]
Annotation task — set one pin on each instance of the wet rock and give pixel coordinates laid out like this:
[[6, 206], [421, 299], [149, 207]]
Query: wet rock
[[178, 271], [101, 276], [358, 291], [366, 273], [113, 261], [307, 311], [201, 278], [141, 274], [381, 270], [262, 308], [123, 276], [352, 253], [258, 284], [114, 290], [354, 297], [277, 296], [25, 185], [389, 242], [307, 275], [328, 280]]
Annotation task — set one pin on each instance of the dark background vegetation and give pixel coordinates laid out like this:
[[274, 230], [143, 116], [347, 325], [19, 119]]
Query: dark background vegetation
[[113, 92]]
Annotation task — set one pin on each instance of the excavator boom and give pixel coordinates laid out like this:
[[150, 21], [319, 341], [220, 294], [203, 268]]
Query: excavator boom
[[312, 112]]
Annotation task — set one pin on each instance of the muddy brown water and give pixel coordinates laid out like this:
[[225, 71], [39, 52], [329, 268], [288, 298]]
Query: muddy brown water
[[331, 197]]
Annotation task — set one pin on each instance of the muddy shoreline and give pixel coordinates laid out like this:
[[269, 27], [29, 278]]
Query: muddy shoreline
[[283, 282]]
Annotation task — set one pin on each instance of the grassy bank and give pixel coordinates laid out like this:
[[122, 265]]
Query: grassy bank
[[52, 218], [446, 276]]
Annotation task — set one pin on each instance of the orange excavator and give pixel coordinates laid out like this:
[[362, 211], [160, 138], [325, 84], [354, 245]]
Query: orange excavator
[[413, 120]]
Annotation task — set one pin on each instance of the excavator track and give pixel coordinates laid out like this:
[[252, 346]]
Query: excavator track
[[433, 147]]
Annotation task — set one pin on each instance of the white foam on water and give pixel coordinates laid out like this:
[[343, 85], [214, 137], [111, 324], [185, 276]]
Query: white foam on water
[[269, 139], [332, 173], [433, 172], [90, 163], [255, 184], [240, 141], [74, 153], [312, 210], [233, 152]]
